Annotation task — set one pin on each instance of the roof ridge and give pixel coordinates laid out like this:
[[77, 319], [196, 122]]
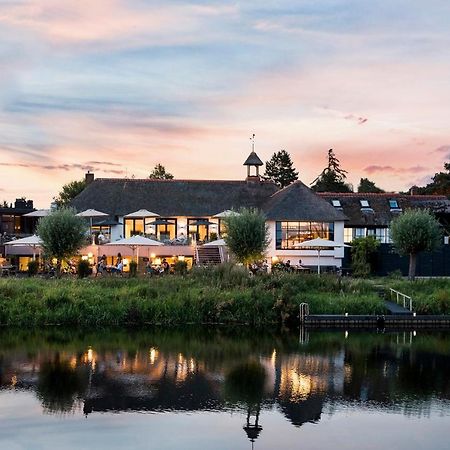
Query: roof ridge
[[184, 180], [380, 194]]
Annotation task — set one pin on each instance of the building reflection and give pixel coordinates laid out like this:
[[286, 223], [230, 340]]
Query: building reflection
[[300, 381]]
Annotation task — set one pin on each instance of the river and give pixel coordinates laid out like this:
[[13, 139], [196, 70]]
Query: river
[[224, 388]]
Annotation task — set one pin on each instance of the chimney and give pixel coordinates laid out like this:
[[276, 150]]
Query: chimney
[[413, 190], [89, 178]]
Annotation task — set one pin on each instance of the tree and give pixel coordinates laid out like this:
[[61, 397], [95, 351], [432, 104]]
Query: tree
[[440, 184], [280, 169], [159, 173], [63, 234], [362, 250], [68, 192], [247, 235], [367, 186], [415, 231], [332, 178]]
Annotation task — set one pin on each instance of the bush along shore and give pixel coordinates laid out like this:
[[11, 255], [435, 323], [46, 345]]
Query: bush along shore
[[224, 294]]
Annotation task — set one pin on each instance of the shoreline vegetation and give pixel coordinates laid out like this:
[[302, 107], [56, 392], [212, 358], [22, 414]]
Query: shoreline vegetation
[[223, 294]]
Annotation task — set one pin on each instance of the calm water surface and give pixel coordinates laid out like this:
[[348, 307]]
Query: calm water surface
[[224, 389]]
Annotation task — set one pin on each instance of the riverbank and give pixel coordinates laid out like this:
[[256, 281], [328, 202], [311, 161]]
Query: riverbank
[[225, 294]]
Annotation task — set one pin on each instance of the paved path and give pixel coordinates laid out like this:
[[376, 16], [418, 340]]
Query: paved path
[[396, 309]]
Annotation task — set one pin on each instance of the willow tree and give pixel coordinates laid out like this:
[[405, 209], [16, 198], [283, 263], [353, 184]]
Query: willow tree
[[63, 234], [247, 235], [415, 231]]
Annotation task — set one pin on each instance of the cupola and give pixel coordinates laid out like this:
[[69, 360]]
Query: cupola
[[253, 160]]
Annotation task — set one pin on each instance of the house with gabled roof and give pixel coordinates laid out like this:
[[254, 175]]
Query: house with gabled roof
[[188, 211]]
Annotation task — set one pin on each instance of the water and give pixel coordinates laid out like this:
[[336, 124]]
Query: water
[[224, 389]]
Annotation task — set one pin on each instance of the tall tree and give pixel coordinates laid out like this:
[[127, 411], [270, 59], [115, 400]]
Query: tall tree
[[68, 192], [332, 178], [159, 173], [62, 234], [247, 235], [415, 231], [280, 169], [367, 186]]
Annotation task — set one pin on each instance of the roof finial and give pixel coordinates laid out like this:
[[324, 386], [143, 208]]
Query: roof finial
[[253, 142]]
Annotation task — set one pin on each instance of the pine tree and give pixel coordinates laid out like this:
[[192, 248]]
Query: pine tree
[[159, 173], [280, 169], [332, 178]]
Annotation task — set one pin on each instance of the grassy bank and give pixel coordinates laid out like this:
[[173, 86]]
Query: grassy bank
[[430, 296], [225, 294], [222, 295]]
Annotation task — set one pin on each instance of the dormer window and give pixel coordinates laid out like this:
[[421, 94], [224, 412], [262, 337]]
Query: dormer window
[[393, 204], [364, 203], [336, 203]]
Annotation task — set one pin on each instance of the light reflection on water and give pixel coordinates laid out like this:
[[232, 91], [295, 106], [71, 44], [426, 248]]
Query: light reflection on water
[[222, 389]]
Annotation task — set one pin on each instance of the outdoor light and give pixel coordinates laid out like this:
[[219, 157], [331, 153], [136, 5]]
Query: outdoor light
[[274, 259], [90, 255], [84, 258], [152, 256], [181, 258]]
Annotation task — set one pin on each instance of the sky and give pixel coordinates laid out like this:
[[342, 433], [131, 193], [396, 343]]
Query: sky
[[116, 86]]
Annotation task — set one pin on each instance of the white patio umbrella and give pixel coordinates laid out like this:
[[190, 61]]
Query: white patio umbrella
[[216, 243], [134, 242], [226, 213], [34, 242], [141, 214], [320, 244], [90, 214], [38, 213]]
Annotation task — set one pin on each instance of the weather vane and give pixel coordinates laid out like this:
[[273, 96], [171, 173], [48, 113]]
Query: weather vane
[[253, 142]]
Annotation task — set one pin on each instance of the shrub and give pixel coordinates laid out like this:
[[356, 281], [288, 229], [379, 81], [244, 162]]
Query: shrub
[[33, 267], [133, 268], [180, 267], [362, 249], [83, 268]]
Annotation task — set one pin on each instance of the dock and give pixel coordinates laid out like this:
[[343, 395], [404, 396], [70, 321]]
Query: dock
[[373, 321]]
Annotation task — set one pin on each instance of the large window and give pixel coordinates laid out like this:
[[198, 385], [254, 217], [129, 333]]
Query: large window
[[288, 234], [166, 229], [198, 229], [139, 226]]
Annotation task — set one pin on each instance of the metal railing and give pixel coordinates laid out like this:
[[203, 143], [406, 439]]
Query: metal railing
[[402, 298], [304, 311]]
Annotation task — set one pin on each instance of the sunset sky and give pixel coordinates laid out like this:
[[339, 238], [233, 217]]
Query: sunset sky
[[116, 86]]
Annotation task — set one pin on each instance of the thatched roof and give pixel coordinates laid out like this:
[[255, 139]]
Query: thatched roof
[[298, 202], [171, 198]]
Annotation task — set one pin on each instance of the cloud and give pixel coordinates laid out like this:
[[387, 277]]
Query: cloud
[[360, 120], [89, 166], [394, 170]]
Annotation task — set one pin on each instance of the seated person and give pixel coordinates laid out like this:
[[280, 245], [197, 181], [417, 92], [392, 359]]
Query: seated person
[[117, 268]]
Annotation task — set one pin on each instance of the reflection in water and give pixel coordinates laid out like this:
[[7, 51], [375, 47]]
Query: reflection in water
[[228, 370]]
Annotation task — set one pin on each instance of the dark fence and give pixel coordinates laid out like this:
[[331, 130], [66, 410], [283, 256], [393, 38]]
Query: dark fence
[[386, 261]]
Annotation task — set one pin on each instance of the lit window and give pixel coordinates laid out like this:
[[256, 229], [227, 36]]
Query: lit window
[[336, 203], [393, 204], [364, 203]]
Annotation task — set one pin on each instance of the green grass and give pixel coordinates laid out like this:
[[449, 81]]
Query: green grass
[[225, 294]]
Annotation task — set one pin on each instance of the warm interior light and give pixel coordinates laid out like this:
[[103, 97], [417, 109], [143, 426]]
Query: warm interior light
[[274, 259], [84, 258], [90, 255], [125, 262], [158, 261], [181, 258], [152, 256]]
